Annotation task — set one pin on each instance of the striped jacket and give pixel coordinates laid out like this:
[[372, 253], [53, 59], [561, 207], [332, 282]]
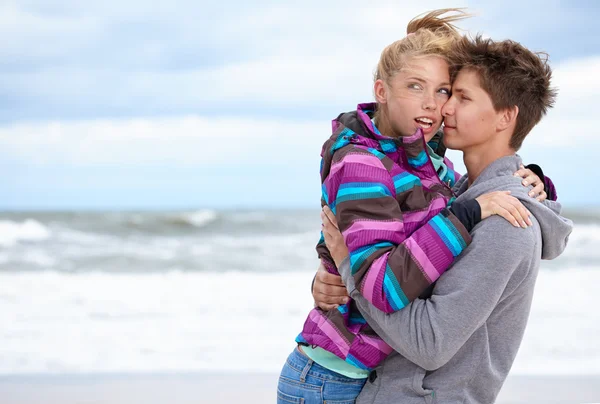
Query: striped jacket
[[391, 208]]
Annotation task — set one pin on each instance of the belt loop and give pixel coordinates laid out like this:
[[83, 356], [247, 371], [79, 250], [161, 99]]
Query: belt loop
[[305, 370]]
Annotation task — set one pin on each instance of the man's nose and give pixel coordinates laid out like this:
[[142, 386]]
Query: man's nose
[[448, 108]]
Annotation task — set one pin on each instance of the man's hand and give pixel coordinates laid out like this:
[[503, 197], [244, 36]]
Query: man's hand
[[328, 290], [333, 238]]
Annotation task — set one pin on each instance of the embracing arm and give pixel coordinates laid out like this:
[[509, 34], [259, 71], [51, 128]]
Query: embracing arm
[[429, 332], [390, 269]]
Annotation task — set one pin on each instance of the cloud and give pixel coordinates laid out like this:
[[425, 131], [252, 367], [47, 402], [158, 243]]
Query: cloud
[[570, 123], [184, 141]]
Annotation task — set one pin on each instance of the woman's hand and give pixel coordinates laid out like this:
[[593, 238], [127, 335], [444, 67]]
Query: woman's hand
[[503, 204], [328, 290], [531, 178], [333, 238]]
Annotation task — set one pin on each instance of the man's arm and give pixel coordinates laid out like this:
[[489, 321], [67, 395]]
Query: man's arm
[[430, 332]]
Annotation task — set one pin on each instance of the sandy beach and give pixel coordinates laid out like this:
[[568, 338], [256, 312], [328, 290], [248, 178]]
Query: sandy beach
[[241, 387]]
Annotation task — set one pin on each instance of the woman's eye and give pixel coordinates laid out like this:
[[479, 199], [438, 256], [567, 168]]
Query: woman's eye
[[414, 86], [445, 91]]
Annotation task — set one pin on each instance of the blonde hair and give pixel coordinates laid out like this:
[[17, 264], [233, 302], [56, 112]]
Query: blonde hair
[[428, 34]]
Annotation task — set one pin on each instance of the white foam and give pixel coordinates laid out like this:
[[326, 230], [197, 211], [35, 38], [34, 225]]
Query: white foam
[[185, 321], [201, 218], [29, 230]]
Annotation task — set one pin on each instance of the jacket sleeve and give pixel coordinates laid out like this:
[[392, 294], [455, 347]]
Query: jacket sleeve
[[429, 332], [390, 270]]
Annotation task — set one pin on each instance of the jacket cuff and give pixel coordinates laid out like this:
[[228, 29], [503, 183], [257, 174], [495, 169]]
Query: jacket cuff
[[468, 212]]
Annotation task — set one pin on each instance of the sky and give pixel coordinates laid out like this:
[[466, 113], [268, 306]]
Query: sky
[[191, 104]]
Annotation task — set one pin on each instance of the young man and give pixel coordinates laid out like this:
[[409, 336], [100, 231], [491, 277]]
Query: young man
[[458, 345]]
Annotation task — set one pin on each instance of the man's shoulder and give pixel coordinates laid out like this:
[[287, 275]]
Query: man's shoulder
[[497, 232]]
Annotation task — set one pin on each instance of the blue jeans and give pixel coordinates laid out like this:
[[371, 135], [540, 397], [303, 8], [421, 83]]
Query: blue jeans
[[306, 382]]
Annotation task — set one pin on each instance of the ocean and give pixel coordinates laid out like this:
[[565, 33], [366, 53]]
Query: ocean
[[180, 291]]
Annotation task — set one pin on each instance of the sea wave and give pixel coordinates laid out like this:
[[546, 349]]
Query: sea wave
[[183, 321], [28, 230]]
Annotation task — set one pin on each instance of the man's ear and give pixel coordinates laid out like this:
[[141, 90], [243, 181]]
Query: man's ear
[[508, 118], [379, 89]]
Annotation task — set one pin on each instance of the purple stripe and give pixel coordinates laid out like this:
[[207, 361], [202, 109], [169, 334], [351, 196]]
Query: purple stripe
[[330, 331], [364, 232], [373, 281], [429, 270], [421, 216], [377, 343]]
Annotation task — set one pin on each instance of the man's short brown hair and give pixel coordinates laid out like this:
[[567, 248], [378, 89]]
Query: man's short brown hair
[[512, 75]]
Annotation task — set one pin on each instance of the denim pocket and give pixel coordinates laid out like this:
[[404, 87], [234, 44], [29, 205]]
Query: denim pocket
[[283, 398], [339, 402]]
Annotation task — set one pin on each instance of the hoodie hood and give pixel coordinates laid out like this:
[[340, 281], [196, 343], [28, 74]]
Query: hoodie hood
[[555, 229]]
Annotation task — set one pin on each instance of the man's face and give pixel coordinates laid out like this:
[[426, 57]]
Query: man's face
[[470, 119]]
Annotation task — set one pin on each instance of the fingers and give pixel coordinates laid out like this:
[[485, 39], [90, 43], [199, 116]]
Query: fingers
[[511, 209], [325, 306], [328, 290], [326, 298], [523, 172], [330, 216], [328, 225], [542, 196], [324, 277], [537, 190]]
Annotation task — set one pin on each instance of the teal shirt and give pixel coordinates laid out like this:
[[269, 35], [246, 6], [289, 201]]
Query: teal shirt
[[334, 363], [438, 163]]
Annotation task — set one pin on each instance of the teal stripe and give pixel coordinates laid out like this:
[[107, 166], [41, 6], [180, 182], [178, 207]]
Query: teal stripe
[[324, 193], [393, 290], [356, 318], [388, 146], [454, 230], [340, 141], [343, 308], [446, 235], [352, 360], [405, 181], [359, 256], [300, 339], [450, 176], [419, 160], [377, 153], [355, 191]]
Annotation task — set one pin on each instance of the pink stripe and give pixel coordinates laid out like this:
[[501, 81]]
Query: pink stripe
[[377, 343], [416, 251], [371, 280], [420, 216], [361, 159], [410, 139], [428, 183], [366, 159], [324, 325], [365, 231]]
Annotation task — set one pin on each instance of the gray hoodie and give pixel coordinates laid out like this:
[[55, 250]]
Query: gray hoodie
[[459, 345]]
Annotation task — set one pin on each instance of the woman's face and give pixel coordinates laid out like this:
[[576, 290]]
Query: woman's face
[[415, 96]]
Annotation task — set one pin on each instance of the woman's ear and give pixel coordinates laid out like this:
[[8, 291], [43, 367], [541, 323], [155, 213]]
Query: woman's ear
[[379, 88]]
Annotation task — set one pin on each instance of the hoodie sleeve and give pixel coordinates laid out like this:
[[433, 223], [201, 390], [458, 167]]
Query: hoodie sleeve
[[429, 332], [389, 269]]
